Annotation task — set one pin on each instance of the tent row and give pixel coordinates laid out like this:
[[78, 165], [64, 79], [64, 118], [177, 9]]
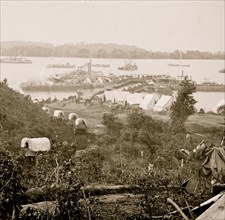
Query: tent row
[[144, 101], [98, 80]]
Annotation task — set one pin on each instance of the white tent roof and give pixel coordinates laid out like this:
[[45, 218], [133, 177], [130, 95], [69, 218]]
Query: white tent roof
[[163, 104], [220, 103], [148, 102], [99, 80], [87, 81], [119, 96], [134, 99], [108, 95], [151, 82]]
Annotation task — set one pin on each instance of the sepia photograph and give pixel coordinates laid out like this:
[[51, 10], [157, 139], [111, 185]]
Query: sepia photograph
[[112, 110]]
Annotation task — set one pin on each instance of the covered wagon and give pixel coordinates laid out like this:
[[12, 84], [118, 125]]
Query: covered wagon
[[58, 114], [36, 144]]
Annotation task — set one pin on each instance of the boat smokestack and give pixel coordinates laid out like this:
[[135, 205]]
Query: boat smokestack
[[89, 67]]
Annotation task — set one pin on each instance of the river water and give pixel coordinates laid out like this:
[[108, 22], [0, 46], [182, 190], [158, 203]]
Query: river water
[[199, 71]]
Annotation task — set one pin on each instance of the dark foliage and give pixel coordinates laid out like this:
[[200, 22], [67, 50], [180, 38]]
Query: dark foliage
[[183, 106], [221, 110], [11, 190], [98, 50], [113, 124]]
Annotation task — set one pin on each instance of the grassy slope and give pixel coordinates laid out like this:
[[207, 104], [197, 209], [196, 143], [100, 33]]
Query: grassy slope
[[23, 118], [203, 125]]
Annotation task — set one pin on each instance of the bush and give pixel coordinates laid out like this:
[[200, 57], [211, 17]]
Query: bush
[[113, 124], [10, 187], [183, 106], [221, 110]]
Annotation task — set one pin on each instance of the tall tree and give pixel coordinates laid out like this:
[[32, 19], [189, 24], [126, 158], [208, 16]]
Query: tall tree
[[183, 106]]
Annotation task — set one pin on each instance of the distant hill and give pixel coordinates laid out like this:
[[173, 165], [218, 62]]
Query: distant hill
[[20, 117], [12, 44], [97, 50]]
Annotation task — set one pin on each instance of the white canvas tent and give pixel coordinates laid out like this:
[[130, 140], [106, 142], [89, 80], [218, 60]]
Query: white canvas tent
[[99, 80], [36, 144], [151, 82], [87, 81], [134, 99], [119, 96], [148, 102], [108, 95], [163, 104], [219, 104]]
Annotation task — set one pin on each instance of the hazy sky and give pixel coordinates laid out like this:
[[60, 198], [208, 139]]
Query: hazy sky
[[153, 25]]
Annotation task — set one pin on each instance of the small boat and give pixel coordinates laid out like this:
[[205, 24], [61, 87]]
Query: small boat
[[100, 65], [17, 60], [49, 87], [178, 65], [222, 71], [67, 65], [128, 67]]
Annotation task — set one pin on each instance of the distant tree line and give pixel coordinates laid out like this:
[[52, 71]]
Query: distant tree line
[[98, 51]]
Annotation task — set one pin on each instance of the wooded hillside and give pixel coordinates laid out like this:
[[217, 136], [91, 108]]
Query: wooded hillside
[[97, 50]]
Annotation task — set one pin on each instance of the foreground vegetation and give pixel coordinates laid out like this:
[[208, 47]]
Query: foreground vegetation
[[130, 147]]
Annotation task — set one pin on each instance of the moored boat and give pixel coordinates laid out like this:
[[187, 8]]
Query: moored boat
[[67, 65], [55, 87], [17, 60], [203, 87], [100, 65], [210, 88], [128, 67], [179, 65]]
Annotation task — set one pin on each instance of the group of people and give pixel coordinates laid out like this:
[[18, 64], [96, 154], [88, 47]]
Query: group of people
[[199, 152], [189, 141]]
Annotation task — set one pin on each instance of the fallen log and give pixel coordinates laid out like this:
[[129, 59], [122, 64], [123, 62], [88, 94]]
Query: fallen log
[[49, 193], [40, 207], [125, 205]]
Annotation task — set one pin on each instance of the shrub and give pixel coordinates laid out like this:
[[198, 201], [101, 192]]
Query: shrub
[[10, 187], [221, 110], [113, 124], [183, 106]]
